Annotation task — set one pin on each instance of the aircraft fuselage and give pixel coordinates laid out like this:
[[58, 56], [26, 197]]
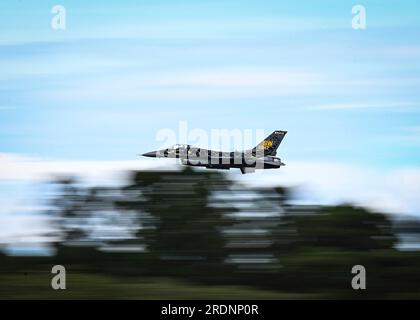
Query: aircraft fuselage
[[260, 157]]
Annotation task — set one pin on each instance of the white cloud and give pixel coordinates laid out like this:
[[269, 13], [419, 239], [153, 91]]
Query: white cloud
[[391, 190], [21, 168], [217, 83], [411, 134], [23, 228], [402, 52], [197, 84], [415, 130], [237, 78], [397, 106]]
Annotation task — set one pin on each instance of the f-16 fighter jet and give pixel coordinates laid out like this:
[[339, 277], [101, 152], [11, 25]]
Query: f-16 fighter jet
[[263, 156]]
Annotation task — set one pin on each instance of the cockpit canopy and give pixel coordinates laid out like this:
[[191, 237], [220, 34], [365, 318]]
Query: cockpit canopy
[[179, 146]]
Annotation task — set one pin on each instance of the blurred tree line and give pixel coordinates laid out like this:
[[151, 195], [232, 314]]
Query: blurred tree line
[[202, 227]]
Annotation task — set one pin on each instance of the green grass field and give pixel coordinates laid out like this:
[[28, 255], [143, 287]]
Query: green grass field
[[94, 286]]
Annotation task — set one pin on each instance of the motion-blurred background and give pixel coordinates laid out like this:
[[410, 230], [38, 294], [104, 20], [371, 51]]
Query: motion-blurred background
[[187, 234], [78, 102]]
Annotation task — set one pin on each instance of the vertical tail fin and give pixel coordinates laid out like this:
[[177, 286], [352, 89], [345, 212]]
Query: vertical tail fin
[[269, 145]]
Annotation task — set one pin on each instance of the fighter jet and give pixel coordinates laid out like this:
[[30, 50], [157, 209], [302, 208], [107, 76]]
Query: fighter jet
[[263, 156]]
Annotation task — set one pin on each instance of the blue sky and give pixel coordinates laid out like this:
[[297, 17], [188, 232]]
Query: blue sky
[[101, 89], [95, 90]]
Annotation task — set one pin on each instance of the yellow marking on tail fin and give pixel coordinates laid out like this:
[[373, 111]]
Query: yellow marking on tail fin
[[267, 144]]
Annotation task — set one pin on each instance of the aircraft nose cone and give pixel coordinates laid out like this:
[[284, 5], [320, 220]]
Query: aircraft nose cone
[[151, 154]]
